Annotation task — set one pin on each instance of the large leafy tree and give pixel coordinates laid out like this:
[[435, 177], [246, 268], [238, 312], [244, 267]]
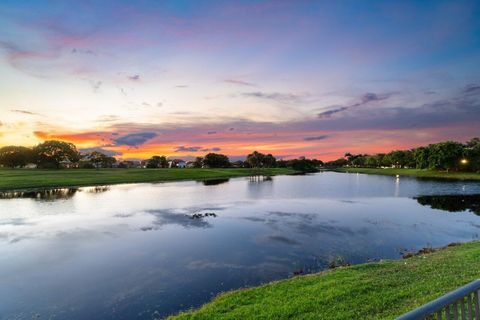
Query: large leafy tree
[[472, 154], [15, 156], [421, 156], [305, 165], [269, 161], [445, 155], [52, 153], [198, 163], [216, 160], [255, 159], [259, 160], [100, 160], [157, 162]]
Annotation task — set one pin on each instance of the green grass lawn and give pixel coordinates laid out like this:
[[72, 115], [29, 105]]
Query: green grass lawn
[[415, 172], [35, 178], [382, 290]]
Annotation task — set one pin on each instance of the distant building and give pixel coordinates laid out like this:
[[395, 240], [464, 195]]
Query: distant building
[[238, 164], [177, 163]]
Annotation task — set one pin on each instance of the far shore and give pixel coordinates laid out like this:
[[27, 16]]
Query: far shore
[[28, 179], [420, 173]]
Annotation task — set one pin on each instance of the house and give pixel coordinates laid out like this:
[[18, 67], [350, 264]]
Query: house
[[177, 163], [67, 164]]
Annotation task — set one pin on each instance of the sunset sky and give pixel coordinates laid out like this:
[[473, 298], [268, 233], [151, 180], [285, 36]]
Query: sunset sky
[[292, 78]]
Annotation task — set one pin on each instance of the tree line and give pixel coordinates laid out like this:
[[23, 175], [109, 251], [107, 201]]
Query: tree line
[[447, 155], [55, 154]]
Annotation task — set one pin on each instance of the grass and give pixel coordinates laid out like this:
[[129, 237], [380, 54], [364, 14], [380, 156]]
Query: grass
[[422, 173], [382, 290], [14, 179]]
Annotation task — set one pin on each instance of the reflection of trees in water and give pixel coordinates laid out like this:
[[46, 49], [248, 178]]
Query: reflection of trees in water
[[51, 194], [452, 203], [259, 178], [96, 189], [214, 182]]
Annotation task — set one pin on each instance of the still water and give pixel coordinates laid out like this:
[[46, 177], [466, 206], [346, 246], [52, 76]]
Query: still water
[[144, 251]]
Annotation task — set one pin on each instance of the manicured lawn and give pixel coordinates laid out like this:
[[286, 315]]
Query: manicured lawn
[[380, 290], [415, 172], [35, 178]]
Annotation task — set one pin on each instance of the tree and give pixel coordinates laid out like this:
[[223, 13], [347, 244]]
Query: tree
[[358, 161], [421, 156], [96, 159], [255, 159], [216, 160], [157, 162], [372, 161], [52, 153], [472, 155], [198, 163], [15, 156], [445, 155], [269, 161], [304, 165], [108, 162], [337, 163]]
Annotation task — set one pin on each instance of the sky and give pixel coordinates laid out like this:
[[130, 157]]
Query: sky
[[291, 78]]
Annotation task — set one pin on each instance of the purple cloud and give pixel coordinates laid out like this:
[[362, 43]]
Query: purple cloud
[[472, 89], [364, 100], [322, 137], [134, 139], [329, 113], [110, 153], [275, 96], [135, 77], [239, 82], [195, 149]]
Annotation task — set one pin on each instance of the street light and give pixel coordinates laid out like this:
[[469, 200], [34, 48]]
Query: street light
[[464, 161]]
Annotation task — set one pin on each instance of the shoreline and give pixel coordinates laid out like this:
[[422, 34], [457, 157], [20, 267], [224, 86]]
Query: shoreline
[[18, 180], [418, 173], [375, 290]]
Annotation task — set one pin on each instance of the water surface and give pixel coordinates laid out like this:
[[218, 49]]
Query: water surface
[[144, 251]]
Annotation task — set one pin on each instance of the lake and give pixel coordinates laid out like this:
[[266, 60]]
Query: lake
[[145, 251]]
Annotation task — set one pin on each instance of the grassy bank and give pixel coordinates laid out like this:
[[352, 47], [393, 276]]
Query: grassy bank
[[415, 173], [380, 290], [11, 179]]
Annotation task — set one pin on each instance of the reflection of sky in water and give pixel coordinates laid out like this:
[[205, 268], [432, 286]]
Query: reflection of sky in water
[[130, 250]]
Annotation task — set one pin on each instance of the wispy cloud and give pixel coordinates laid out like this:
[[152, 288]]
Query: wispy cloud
[[26, 112], [365, 99], [329, 113], [239, 82], [275, 96], [83, 51], [322, 137], [472, 89], [134, 77], [134, 139], [95, 85], [195, 149]]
